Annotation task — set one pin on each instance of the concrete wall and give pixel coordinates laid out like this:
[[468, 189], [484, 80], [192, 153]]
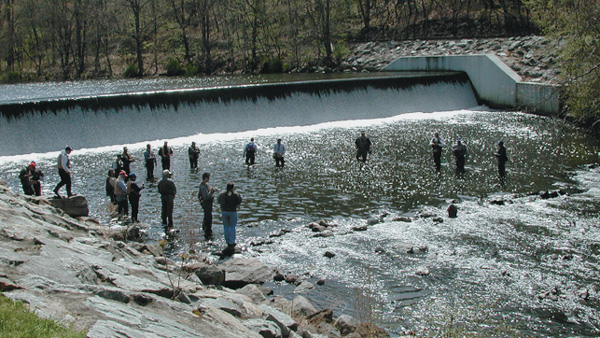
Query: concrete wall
[[494, 83], [542, 99]]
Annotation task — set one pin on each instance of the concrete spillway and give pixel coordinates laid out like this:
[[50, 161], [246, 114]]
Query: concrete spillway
[[495, 84]]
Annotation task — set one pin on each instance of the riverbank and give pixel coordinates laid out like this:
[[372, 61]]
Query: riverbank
[[69, 270]]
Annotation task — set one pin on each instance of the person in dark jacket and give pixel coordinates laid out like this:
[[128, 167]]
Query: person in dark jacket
[[502, 159], [118, 164], [193, 154], [167, 190], [134, 192], [363, 147], [36, 178], [150, 162], [229, 202], [111, 180], [461, 154], [126, 159], [25, 176], [165, 152], [436, 147], [206, 198], [250, 152]]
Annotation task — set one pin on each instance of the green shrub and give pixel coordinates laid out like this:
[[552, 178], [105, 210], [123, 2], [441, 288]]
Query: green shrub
[[174, 68], [191, 70], [340, 51], [11, 77], [18, 322], [272, 66], [132, 71]]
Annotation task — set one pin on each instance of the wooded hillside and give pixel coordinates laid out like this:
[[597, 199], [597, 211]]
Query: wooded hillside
[[59, 39]]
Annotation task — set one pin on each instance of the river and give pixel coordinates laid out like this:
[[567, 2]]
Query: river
[[525, 266]]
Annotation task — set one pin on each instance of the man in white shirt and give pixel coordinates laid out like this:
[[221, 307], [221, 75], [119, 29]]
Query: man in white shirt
[[64, 171], [278, 153]]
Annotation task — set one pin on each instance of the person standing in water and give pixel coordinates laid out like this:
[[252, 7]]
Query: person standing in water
[[436, 146], [167, 190], [64, 171], [118, 164], [502, 159], [126, 159], [134, 192], [229, 202], [249, 152], [193, 154], [279, 153], [109, 185], [363, 147], [165, 153], [461, 155], [121, 194], [206, 198], [150, 161]]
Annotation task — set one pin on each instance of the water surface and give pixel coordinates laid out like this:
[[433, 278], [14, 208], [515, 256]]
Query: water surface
[[523, 267]]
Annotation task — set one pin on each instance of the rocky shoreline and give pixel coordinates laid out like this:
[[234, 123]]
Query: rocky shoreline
[[534, 58], [71, 270]]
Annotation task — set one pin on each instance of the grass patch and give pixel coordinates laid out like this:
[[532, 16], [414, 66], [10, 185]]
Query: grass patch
[[16, 321]]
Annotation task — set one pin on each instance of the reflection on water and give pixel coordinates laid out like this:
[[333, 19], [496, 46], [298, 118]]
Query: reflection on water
[[492, 260]]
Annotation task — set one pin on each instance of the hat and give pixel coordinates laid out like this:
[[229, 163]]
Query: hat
[[32, 164], [132, 174], [500, 142], [166, 172], [459, 138], [122, 172]]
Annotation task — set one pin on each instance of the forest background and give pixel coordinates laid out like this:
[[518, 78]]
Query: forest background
[[50, 40]]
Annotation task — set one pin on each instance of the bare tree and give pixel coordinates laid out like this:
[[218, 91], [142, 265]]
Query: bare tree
[[205, 12], [81, 15], [137, 8], [319, 12], [365, 7], [8, 45], [183, 11]]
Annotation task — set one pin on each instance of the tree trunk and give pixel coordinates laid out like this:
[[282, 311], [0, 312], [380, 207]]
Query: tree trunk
[[10, 34]]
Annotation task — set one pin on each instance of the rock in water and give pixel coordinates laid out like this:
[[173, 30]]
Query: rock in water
[[74, 206]]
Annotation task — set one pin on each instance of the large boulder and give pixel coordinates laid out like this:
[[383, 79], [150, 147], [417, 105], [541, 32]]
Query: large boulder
[[240, 272], [253, 292], [74, 206], [302, 307], [209, 274]]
